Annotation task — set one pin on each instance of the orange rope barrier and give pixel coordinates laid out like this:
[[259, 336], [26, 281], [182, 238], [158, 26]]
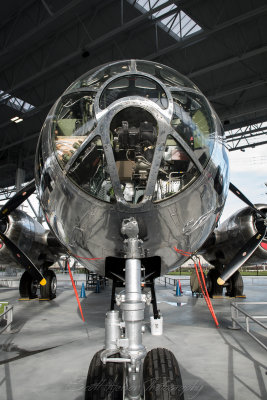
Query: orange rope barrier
[[75, 291], [205, 292]]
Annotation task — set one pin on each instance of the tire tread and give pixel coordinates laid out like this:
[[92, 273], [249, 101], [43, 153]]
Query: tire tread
[[99, 375], [162, 377]]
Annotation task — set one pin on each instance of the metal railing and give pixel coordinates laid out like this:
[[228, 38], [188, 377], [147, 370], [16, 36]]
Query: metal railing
[[172, 281], [235, 310], [7, 315]]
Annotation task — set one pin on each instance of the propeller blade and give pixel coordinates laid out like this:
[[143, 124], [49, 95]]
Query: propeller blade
[[17, 199], [242, 197], [23, 260], [242, 256]]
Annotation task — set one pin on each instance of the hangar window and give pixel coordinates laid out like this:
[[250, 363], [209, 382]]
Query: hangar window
[[178, 24], [193, 121], [73, 121], [177, 171], [133, 85], [90, 172], [15, 102]]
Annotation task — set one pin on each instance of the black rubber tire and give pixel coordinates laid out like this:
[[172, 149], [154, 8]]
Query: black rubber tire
[[104, 382], [28, 286], [162, 377], [236, 285], [211, 282], [49, 291]]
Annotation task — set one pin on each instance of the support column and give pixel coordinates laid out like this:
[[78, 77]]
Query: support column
[[20, 174], [20, 178]]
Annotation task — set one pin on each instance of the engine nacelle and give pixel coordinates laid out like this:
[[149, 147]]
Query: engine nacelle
[[31, 237], [232, 234]]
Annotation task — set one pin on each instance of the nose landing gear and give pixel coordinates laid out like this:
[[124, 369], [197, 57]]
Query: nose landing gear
[[124, 370]]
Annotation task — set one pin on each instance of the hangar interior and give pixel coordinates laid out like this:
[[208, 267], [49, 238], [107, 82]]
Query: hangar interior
[[45, 45]]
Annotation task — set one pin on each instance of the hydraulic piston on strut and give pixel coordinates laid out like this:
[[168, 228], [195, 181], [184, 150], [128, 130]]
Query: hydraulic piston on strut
[[132, 351]]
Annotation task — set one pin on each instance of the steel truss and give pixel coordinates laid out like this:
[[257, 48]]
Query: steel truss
[[247, 136]]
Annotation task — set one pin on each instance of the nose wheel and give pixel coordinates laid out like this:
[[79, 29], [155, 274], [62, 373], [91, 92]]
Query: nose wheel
[[162, 377], [104, 381]]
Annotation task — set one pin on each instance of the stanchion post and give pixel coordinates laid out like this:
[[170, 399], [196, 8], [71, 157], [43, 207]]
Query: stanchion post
[[9, 317]]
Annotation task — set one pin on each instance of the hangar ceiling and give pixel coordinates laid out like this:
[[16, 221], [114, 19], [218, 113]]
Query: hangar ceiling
[[46, 44]]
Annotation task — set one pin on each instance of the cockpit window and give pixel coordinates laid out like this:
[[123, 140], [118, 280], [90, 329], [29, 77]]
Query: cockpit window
[[176, 171], [133, 138], [167, 75], [73, 121], [90, 172], [96, 81], [133, 85], [192, 120]]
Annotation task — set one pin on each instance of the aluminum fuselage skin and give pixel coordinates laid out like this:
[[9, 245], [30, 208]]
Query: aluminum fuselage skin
[[91, 228]]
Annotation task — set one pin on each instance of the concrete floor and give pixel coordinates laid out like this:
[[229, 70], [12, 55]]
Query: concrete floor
[[48, 354]]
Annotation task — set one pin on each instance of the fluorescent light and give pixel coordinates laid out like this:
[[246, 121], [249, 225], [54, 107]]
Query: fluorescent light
[[18, 120], [14, 119]]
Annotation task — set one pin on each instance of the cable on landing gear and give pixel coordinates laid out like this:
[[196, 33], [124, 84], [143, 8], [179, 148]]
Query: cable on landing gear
[[205, 291]]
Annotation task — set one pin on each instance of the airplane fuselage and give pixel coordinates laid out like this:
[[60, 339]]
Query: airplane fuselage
[[174, 209]]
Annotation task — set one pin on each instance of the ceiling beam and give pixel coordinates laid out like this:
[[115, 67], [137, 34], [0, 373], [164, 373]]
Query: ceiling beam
[[246, 146], [243, 112], [25, 139], [107, 37], [231, 127], [242, 135], [31, 33], [196, 38], [229, 92], [227, 62]]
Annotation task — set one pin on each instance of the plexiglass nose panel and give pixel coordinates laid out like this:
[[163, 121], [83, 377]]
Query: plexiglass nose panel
[[133, 130], [193, 121], [90, 171], [72, 123], [133, 85], [176, 171]]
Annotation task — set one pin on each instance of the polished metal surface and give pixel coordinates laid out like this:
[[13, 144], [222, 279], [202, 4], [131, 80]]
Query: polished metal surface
[[90, 228], [30, 236], [233, 234]]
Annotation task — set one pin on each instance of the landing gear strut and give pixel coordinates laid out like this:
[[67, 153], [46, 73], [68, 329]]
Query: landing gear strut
[[122, 360]]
